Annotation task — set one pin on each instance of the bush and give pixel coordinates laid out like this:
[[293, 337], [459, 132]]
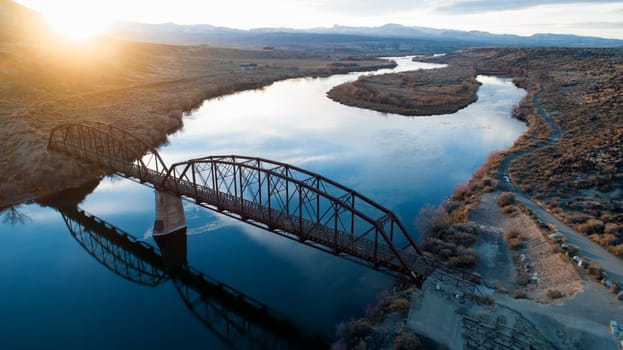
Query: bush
[[514, 239], [355, 329], [466, 257], [554, 294], [591, 226], [432, 221], [446, 253], [595, 272], [407, 340], [513, 233], [614, 229], [462, 234], [400, 304], [514, 243], [436, 245], [500, 288], [488, 300], [509, 210], [506, 198], [519, 293]]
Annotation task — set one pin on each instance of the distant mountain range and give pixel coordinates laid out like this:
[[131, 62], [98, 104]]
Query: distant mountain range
[[390, 37]]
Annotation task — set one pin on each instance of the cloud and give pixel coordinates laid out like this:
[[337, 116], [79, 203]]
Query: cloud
[[522, 17], [601, 25], [479, 6], [372, 7]]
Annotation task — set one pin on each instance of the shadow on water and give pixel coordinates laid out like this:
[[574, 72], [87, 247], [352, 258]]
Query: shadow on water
[[237, 320]]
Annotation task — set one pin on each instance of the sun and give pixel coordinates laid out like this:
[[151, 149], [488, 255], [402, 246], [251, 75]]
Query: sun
[[76, 26], [75, 20]]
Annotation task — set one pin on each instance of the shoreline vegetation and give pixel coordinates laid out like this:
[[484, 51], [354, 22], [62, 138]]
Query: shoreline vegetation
[[415, 93], [577, 177], [575, 172]]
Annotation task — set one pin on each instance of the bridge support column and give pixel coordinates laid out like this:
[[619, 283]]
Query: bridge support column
[[169, 214], [170, 229]]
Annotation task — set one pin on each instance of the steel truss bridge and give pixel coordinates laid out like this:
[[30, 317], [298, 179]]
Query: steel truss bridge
[[236, 319], [281, 198]]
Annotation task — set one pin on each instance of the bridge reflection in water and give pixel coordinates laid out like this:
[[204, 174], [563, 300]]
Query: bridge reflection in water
[[238, 320], [281, 198]]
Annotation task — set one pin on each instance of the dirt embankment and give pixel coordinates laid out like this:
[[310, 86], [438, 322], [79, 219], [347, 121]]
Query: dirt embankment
[[415, 93], [143, 88], [517, 258]]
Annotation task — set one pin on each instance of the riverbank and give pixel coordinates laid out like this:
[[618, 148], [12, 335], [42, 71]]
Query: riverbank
[[560, 162], [578, 87], [416, 93], [142, 88]]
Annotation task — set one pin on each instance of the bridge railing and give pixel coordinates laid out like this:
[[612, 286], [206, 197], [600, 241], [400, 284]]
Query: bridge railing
[[299, 204]]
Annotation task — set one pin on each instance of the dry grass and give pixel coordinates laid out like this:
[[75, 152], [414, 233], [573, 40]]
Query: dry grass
[[579, 176], [421, 92], [141, 87], [444, 240]]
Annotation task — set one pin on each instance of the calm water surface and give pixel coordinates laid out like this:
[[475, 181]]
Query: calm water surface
[[58, 295]]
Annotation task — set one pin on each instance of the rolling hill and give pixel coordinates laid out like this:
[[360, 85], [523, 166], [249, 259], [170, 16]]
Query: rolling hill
[[390, 38]]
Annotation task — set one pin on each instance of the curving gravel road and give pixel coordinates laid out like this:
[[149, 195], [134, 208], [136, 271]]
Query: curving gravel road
[[612, 265]]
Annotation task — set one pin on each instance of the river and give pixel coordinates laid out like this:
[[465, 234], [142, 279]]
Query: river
[[58, 295]]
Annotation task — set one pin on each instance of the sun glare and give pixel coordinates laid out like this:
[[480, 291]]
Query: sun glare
[[75, 26]]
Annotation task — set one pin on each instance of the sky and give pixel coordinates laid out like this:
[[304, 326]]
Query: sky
[[602, 18]]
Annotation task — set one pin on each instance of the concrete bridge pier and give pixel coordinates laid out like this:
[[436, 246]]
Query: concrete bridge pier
[[170, 229]]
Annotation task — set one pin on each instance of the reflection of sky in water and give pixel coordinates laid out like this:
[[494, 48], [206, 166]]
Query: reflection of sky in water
[[400, 162]]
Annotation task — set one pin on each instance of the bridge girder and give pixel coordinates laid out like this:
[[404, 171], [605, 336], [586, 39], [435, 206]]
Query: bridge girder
[[301, 205], [110, 147]]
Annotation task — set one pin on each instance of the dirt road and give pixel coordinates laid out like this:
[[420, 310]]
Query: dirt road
[[612, 265]]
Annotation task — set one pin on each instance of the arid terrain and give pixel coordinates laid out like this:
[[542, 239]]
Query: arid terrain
[[145, 88], [578, 177], [540, 296], [417, 93], [577, 173], [569, 163]]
